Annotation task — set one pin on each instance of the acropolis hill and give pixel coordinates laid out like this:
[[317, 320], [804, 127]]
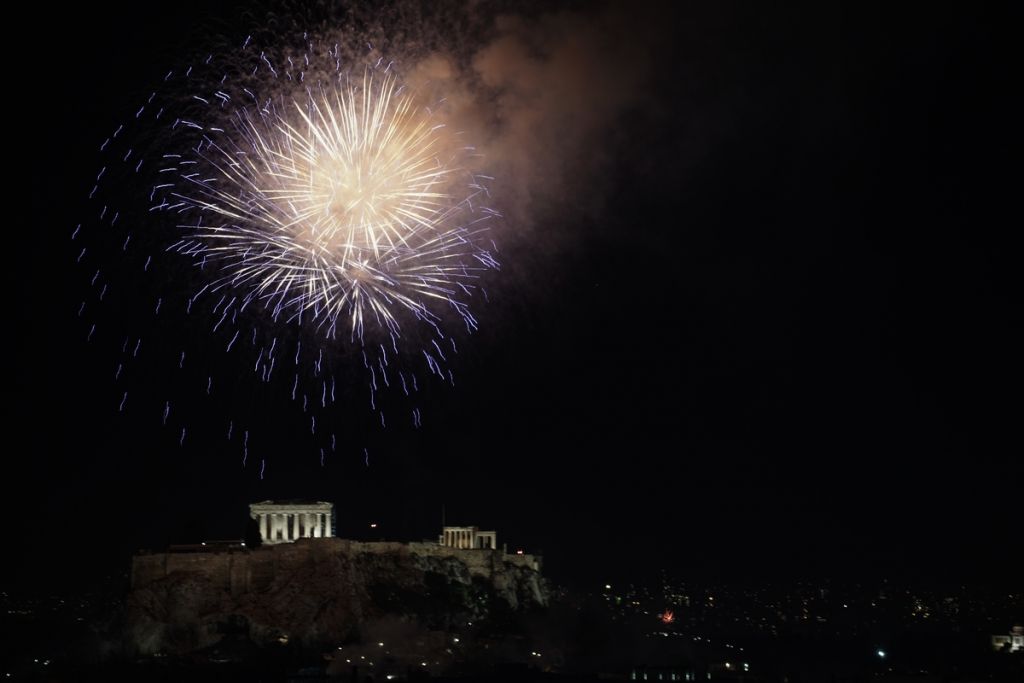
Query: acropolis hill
[[240, 570], [319, 591]]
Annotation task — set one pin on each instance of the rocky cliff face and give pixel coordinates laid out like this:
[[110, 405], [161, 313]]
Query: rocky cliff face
[[318, 594]]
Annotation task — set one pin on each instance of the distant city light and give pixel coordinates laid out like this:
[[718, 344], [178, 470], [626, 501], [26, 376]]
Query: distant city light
[[667, 616], [373, 525], [607, 586], [881, 654], [519, 552]]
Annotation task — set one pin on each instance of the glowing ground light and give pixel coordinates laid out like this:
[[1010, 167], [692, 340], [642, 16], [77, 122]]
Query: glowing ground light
[[667, 617]]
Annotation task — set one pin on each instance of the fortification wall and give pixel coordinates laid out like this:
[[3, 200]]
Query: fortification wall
[[243, 570], [479, 560]]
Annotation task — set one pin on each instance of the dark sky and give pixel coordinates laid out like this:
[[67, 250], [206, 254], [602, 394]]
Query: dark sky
[[782, 347]]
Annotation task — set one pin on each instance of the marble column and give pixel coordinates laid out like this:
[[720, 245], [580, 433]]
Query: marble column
[[263, 527]]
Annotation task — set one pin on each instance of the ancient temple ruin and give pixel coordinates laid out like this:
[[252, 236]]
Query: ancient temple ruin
[[468, 537], [286, 521]]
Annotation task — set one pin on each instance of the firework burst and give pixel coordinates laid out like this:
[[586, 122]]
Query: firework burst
[[326, 194], [346, 203]]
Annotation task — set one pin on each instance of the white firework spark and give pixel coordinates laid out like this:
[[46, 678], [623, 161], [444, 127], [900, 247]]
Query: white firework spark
[[316, 199], [345, 202]]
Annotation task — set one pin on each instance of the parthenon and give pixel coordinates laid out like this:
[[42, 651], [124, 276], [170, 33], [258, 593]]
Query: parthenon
[[468, 537], [286, 521]]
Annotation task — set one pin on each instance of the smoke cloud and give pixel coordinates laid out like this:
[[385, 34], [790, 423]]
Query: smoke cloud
[[544, 91], [545, 98]]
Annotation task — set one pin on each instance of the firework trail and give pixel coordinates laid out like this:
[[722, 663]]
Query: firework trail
[[329, 214]]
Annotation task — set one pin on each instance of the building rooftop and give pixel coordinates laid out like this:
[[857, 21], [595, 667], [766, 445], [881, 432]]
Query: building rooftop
[[293, 501]]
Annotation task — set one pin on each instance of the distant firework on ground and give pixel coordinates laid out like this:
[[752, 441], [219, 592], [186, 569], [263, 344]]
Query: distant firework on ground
[[335, 225]]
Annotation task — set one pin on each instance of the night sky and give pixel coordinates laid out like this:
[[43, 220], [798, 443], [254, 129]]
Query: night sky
[[765, 332]]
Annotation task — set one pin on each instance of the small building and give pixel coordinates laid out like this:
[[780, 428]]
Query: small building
[[1014, 642], [286, 521], [468, 537]]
